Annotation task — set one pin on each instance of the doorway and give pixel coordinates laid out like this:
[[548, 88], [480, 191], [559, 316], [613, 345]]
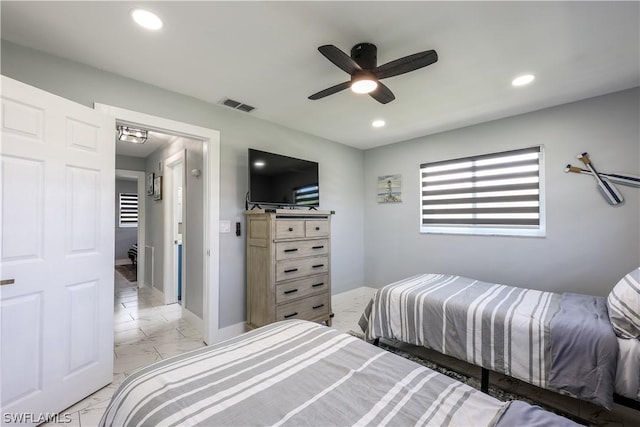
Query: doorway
[[138, 178], [207, 321]]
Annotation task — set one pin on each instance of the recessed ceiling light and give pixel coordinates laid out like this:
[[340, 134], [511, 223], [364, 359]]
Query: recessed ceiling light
[[146, 19], [378, 123], [523, 80]]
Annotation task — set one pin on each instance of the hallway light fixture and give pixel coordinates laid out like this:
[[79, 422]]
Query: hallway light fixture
[[132, 135]]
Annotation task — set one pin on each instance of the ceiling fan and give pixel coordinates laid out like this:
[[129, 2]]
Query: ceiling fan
[[366, 75]]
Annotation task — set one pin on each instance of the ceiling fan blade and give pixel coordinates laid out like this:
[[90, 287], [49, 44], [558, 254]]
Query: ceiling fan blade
[[406, 64], [382, 94], [339, 58], [330, 91]]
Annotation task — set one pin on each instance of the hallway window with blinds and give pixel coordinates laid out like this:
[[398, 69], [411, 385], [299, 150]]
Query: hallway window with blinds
[[500, 193], [128, 210]]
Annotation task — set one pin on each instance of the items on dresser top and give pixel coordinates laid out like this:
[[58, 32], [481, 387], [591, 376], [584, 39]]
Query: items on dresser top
[[288, 266]]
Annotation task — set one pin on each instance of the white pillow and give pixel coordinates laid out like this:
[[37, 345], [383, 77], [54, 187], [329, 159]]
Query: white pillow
[[623, 303]]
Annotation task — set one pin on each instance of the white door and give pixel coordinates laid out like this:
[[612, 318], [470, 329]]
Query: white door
[[175, 226], [56, 253]]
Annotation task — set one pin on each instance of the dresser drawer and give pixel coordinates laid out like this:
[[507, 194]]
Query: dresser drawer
[[308, 308], [301, 288], [293, 269], [316, 228], [301, 249], [289, 228]]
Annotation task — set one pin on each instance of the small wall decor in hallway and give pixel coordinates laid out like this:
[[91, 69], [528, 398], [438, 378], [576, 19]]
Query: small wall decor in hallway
[[150, 178], [157, 188]]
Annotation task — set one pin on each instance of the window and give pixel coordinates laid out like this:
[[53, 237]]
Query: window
[[500, 193], [128, 211], [307, 195]]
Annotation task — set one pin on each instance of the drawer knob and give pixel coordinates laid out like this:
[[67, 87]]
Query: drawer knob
[[290, 229], [317, 228], [315, 307], [290, 291], [291, 250], [317, 247], [317, 266], [291, 270], [317, 284], [286, 316]]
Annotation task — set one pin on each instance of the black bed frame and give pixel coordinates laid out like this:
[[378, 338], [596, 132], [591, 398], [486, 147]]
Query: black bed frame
[[484, 387]]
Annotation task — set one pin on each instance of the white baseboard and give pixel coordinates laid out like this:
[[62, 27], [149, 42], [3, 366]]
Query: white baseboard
[[231, 331], [124, 261]]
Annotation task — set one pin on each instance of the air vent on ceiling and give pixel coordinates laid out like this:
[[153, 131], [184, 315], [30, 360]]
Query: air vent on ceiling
[[236, 105]]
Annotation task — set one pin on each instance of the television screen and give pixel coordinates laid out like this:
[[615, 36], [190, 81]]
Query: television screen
[[281, 180]]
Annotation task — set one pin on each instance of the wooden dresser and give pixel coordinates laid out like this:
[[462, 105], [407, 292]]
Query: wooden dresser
[[288, 267]]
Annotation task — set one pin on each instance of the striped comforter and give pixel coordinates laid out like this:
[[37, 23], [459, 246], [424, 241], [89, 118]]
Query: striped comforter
[[302, 373], [502, 328]]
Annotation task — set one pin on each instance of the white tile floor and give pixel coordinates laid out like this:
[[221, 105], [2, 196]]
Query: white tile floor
[[147, 331]]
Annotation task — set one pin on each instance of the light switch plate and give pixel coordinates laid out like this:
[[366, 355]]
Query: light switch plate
[[225, 226]]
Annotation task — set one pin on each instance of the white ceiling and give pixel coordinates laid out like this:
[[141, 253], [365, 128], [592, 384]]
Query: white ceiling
[[265, 54]]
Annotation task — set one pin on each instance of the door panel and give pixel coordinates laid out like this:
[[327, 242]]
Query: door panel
[[83, 216], [21, 347], [83, 326], [24, 120], [57, 206], [22, 208]]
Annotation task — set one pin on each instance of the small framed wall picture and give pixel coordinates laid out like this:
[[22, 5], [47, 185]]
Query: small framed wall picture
[[157, 188], [390, 189], [150, 184]]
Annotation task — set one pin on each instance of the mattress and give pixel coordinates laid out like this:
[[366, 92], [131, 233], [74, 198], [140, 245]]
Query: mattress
[[561, 342], [296, 373], [628, 370]]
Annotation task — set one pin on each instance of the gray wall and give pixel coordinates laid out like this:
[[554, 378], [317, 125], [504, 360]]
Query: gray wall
[[125, 236], [589, 245], [130, 163], [341, 167]]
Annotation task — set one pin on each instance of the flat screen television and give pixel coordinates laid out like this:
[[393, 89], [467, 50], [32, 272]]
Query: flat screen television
[[278, 180]]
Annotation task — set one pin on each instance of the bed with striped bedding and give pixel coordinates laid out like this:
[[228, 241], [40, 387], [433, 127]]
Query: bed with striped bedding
[[301, 373], [561, 342]]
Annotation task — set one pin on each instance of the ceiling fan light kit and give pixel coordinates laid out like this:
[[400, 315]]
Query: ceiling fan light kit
[[364, 82], [366, 75]]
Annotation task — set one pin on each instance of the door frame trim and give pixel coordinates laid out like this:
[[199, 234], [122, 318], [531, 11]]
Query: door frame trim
[[211, 214]]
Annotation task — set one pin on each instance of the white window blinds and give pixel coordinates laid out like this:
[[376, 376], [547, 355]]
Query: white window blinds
[[498, 193], [128, 211]]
